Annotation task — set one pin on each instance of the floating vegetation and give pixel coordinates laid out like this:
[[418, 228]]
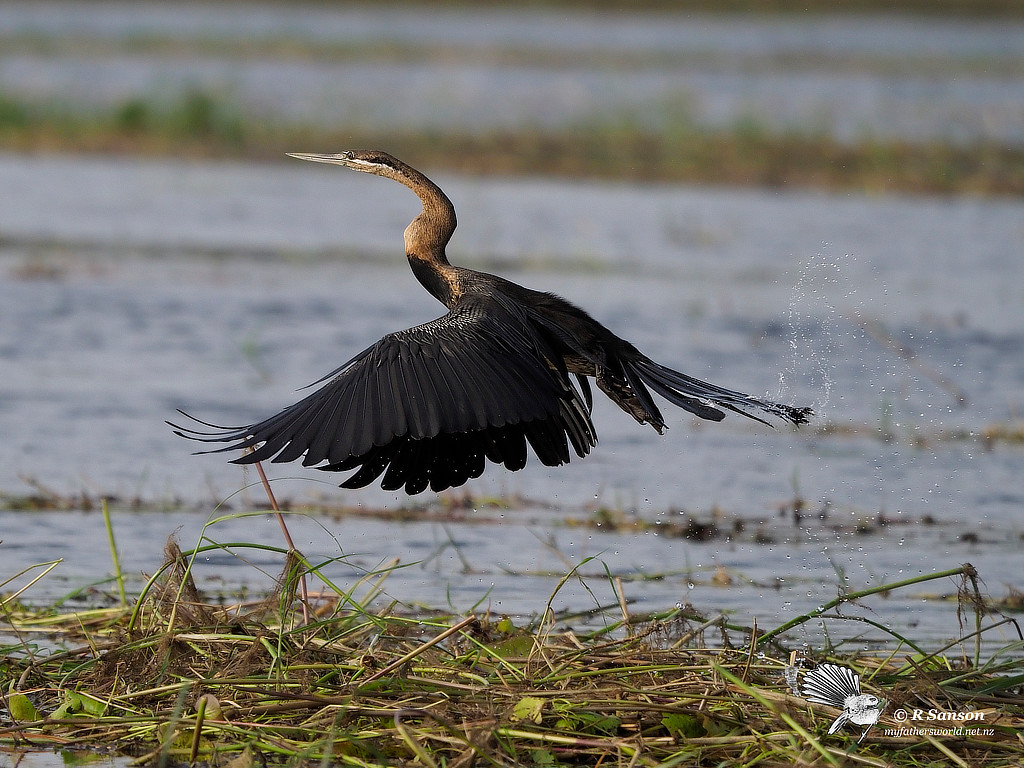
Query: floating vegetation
[[169, 678], [792, 520], [195, 123], [203, 124]]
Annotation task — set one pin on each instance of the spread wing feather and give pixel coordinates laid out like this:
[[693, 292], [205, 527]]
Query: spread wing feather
[[428, 406], [830, 684]]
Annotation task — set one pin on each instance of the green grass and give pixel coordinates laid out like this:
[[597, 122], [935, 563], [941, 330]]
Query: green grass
[[170, 678], [200, 124]]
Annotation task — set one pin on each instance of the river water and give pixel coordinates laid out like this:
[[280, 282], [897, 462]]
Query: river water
[[131, 288]]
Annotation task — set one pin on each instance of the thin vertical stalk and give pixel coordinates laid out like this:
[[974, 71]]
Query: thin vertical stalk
[[118, 573], [303, 592]]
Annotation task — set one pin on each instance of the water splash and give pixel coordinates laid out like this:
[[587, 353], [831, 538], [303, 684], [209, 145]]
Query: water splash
[[812, 321]]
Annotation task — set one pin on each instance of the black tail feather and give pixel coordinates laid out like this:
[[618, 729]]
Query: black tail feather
[[710, 401]]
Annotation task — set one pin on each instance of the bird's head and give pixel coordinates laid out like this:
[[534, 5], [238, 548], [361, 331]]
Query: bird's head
[[430, 231], [366, 160]]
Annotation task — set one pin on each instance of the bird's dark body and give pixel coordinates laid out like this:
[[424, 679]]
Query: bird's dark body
[[506, 367]]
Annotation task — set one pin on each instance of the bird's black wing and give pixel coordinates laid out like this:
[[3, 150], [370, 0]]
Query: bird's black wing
[[427, 406]]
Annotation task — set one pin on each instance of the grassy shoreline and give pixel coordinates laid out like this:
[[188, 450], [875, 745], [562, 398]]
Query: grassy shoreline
[[747, 154], [170, 679], [321, 673]]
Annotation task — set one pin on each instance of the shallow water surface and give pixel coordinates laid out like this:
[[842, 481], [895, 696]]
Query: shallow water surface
[[221, 289]]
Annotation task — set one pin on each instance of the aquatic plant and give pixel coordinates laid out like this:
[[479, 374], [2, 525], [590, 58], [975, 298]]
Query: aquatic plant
[[170, 677], [203, 124]]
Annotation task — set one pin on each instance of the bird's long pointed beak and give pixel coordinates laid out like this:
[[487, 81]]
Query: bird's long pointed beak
[[341, 158]]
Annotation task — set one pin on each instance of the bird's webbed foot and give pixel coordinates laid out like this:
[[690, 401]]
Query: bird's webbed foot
[[619, 392]]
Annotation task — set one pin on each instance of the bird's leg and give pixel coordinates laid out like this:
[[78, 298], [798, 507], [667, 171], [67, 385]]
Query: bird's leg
[[615, 387], [620, 393], [303, 592]]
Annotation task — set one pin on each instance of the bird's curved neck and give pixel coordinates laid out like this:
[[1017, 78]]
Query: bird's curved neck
[[428, 234]]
